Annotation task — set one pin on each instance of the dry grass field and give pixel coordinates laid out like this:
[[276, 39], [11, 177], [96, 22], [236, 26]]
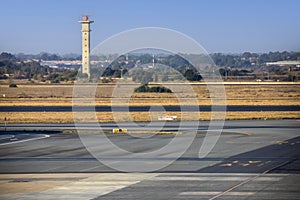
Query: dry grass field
[[67, 117], [61, 95]]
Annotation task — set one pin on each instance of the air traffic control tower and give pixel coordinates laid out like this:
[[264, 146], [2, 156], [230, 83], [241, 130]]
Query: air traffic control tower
[[85, 22]]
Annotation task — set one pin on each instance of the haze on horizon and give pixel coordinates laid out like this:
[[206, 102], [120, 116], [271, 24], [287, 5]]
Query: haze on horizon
[[232, 26]]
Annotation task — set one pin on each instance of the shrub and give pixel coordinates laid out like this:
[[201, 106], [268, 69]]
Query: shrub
[[13, 85], [55, 81], [156, 89]]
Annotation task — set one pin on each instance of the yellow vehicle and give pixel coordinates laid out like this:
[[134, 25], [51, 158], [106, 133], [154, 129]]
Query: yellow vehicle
[[119, 130]]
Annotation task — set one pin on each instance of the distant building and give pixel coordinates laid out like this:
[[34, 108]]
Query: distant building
[[285, 63]]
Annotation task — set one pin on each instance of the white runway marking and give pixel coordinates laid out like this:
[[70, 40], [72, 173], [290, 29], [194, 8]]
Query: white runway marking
[[6, 137], [27, 140]]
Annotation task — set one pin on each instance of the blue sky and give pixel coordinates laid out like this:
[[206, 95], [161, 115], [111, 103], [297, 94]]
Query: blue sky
[[228, 26]]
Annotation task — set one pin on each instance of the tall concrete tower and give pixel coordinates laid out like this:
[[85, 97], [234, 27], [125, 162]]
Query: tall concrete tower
[[85, 22]]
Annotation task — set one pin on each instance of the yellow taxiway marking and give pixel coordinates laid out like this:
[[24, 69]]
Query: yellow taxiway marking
[[281, 142], [226, 165], [254, 161], [173, 163], [241, 164], [241, 133], [244, 164], [245, 133], [261, 164]]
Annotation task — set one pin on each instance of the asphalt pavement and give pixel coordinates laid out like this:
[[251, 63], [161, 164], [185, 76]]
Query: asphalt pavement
[[185, 108], [252, 160]]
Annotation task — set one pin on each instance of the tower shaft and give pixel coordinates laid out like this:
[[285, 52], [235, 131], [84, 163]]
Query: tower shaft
[[85, 23]]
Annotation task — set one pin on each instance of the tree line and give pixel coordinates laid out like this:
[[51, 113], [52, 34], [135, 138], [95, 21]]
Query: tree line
[[138, 66], [16, 68]]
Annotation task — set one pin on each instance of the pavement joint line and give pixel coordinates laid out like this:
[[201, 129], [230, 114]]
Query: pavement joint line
[[48, 170], [210, 178], [198, 193], [90, 168], [247, 181], [100, 166]]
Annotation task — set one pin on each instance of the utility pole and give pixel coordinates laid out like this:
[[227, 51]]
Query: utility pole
[[5, 124]]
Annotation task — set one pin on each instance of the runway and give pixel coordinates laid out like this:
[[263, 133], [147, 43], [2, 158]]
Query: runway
[[186, 108], [252, 159]]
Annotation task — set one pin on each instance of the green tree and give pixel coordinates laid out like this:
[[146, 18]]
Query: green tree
[[191, 75]]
